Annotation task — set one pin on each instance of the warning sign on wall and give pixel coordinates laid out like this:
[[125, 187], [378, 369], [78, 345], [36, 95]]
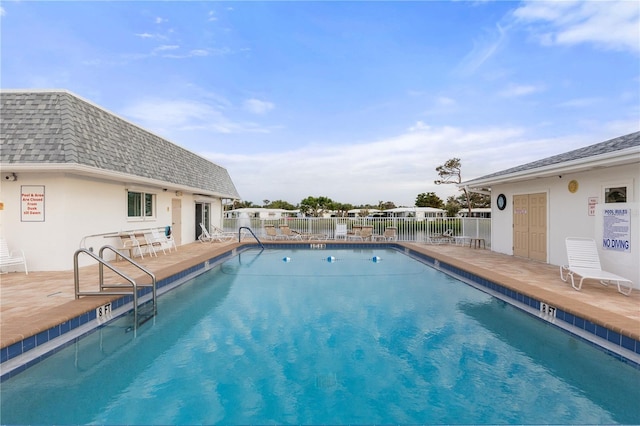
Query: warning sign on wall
[[616, 234], [32, 202]]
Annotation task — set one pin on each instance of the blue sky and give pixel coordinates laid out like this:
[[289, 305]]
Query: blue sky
[[356, 101]]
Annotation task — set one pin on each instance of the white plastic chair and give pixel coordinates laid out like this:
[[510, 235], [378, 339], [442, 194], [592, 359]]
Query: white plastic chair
[[341, 231], [9, 258], [583, 258]]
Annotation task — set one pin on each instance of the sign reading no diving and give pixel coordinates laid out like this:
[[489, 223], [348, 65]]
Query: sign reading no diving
[[616, 234]]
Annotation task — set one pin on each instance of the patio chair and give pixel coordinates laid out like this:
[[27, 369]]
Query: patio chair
[[444, 238], [364, 233], [159, 238], [205, 236], [219, 235], [152, 243], [341, 231], [390, 234], [131, 244], [272, 233], [289, 234], [9, 258], [583, 258]]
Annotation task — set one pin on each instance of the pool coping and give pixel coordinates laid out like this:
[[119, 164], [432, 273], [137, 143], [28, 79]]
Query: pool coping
[[624, 346]]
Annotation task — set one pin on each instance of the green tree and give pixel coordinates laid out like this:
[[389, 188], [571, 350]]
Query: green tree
[[315, 206], [453, 205], [429, 199], [280, 204], [450, 173]]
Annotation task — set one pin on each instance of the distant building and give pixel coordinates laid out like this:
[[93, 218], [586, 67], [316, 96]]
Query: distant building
[[72, 171], [417, 212], [261, 213], [481, 212]]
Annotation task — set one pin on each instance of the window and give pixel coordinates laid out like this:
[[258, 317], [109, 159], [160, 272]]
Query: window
[[140, 205], [615, 194]]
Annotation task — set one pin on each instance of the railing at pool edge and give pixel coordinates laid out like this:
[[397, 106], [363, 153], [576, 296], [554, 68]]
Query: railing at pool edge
[[251, 231]]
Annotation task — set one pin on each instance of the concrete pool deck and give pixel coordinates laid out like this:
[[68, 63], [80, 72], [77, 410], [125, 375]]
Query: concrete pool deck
[[30, 304]]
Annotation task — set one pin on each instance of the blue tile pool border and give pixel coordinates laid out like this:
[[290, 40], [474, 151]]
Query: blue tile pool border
[[570, 319], [19, 348]]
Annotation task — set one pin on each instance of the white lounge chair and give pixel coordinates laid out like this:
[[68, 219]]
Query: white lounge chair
[[444, 238], [217, 235], [272, 233], [341, 231], [364, 233], [288, 233], [583, 258], [9, 258], [390, 234]]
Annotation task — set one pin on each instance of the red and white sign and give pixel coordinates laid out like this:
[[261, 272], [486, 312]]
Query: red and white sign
[[32, 203]]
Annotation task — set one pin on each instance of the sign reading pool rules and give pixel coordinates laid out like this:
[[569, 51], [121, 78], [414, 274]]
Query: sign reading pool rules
[[32, 203], [616, 233]]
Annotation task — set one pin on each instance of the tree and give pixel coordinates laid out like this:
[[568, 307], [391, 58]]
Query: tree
[[315, 206], [429, 199], [453, 205], [280, 204], [450, 173]]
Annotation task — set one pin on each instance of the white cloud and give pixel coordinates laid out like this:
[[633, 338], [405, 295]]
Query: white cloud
[[515, 90], [174, 116], [2, 11], [145, 35], [579, 103], [256, 106], [160, 20], [212, 16], [613, 25], [483, 50], [395, 169]]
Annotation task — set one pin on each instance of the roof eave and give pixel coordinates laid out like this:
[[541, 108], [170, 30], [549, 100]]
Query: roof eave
[[616, 158], [125, 178]]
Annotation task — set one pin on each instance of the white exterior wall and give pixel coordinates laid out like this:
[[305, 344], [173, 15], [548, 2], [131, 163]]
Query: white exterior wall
[[568, 215], [75, 208]]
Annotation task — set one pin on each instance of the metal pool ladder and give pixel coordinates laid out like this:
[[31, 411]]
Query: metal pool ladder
[[131, 287], [251, 231]]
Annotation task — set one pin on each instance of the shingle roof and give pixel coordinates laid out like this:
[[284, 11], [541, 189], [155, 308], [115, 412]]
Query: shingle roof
[[623, 142], [58, 127]]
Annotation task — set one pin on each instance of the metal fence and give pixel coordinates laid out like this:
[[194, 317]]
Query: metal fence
[[408, 229]]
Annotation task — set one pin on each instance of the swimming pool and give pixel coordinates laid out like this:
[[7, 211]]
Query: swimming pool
[[326, 336]]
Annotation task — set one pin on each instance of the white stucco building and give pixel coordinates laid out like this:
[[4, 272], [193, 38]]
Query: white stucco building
[[591, 192], [72, 171]]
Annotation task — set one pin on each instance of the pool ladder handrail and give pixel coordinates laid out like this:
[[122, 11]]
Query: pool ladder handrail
[[251, 231], [133, 286]]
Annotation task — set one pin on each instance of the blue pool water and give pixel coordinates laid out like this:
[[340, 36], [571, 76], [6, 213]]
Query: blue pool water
[[326, 336]]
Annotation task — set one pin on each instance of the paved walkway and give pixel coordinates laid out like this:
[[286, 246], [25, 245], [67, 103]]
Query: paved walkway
[[36, 302]]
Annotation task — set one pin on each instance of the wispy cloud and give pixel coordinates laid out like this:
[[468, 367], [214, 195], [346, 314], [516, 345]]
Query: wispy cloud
[[483, 50], [579, 103], [173, 116], [256, 106], [516, 90], [613, 25], [160, 20]]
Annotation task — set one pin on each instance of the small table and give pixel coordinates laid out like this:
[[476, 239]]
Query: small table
[[476, 242]]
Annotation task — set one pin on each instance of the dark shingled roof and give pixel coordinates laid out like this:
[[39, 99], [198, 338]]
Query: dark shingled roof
[[616, 144], [58, 127]]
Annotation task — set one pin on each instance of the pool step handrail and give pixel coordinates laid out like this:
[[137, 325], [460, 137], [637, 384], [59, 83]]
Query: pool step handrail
[[132, 286], [251, 231]]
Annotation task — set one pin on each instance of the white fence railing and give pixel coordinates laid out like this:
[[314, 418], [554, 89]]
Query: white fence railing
[[408, 229]]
